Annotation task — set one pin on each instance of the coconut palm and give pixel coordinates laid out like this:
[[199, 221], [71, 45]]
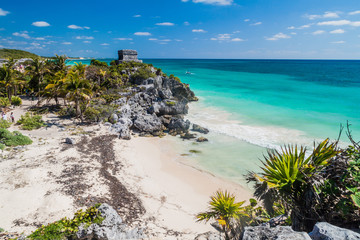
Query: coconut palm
[[223, 209], [9, 78]]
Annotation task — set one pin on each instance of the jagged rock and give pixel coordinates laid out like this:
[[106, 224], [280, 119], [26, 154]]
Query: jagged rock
[[326, 231], [165, 119], [120, 101], [113, 118], [276, 233], [178, 125], [171, 108], [148, 123], [124, 111], [209, 236], [179, 90], [112, 228], [123, 128], [202, 139], [187, 135], [165, 93], [70, 141], [198, 128]]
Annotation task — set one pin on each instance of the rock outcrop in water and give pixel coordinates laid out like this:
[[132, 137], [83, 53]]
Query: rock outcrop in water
[[154, 105]]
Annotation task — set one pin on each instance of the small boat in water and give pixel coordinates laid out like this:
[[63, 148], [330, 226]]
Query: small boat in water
[[187, 72]]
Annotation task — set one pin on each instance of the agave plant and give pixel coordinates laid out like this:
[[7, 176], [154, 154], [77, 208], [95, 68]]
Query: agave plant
[[223, 209]]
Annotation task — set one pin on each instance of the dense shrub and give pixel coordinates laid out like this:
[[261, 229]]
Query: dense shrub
[[67, 112], [140, 75], [4, 102], [30, 122], [92, 114], [95, 62], [13, 139], [67, 228], [4, 123], [110, 97], [16, 101]]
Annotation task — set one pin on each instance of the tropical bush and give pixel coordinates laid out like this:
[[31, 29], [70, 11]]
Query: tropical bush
[[4, 102], [67, 228], [12, 139], [92, 114], [16, 101], [4, 123], [140, 75], [98, 63], [30, 122]]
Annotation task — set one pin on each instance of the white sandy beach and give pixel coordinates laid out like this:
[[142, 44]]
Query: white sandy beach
[[49, 179]]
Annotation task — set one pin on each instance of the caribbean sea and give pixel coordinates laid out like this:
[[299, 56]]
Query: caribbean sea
[[250, 106]]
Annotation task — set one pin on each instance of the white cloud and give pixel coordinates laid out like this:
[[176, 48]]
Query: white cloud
[[354, 12], [339, 23], [213, 2], [40, 24], [153, 39], [23, 34], [165, 24], [86, 41], [178, 40], [318, 32], [247, 20], [137, 16], [66, 43], [186, 23], [325, 15], [39, 38], [104, 44], [77, 27], [3, 12], [293, 33], [84, 37], [292, 27], [277, 37], [2, 29], [142, 34], [255, 24], [123, 39], [237, 40], [304, 26], [199, 31], [337, 31], [338, 42]]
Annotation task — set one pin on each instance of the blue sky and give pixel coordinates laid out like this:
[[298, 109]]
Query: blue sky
[[271, 29]]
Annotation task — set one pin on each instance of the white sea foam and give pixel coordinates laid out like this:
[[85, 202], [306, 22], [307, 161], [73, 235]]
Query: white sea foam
[[220, 122]]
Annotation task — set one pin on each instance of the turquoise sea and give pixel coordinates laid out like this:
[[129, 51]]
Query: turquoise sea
[[252, 105]]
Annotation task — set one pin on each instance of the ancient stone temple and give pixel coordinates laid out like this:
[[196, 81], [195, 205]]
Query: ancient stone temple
[[127, 55]]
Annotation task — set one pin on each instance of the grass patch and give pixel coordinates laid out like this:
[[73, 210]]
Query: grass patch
[[67, 228], [12, 139], [30, 122]]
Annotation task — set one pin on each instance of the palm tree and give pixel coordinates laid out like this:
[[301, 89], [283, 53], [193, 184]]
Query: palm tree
[[223, 209], [10, 79], [77, 89], [37, 70], [60, 63]]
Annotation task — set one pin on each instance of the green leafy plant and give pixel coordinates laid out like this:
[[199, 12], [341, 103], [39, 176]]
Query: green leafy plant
[[223, 209], [12, 139], [4, 123], [92, 114], [16, 101], [4, 102], [67, 228], [30, 122]]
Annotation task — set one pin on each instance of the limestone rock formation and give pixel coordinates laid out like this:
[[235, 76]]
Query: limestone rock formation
[[127, 55], [112, 228], [198, 128], [276, 233], [326, 231]]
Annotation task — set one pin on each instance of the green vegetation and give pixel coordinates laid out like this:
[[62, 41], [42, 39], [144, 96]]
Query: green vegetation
[[16, 54], [67, 228], [4, 123], [4, 102], [16, 101], [194, 151], [30, 122], [13, 139]]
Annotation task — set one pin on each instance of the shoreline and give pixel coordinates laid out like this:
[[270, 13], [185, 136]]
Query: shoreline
[[49, 179]]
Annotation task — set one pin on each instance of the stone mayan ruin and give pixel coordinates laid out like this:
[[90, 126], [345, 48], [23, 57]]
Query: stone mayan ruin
[[127, 55]]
